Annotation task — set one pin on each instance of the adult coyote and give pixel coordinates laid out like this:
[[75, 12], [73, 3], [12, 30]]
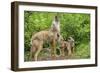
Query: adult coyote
[[51, 35]]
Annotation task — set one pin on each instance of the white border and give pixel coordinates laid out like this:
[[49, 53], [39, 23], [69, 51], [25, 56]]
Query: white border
[[23, 64]]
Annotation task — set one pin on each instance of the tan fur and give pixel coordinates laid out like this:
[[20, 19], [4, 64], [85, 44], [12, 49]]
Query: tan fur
[[39, 38]]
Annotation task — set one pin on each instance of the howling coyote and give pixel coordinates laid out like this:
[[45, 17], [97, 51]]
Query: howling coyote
[[52, 36]]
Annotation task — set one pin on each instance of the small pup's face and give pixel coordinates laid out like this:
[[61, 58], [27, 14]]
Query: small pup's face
[[70, 39]]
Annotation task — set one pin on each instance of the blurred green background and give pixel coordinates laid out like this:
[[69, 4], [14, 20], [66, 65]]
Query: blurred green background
[[76, 25]]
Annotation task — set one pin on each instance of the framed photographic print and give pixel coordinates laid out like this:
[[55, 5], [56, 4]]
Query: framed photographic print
[[52, 36]]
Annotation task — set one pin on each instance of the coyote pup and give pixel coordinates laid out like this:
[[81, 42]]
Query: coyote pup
[[69, 45]]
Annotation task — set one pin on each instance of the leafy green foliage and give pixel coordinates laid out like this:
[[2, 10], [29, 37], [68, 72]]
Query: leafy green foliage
[[76, 25]]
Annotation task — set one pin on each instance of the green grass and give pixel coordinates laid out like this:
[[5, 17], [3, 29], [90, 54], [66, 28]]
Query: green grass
[[83, 51], [27, 56]]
